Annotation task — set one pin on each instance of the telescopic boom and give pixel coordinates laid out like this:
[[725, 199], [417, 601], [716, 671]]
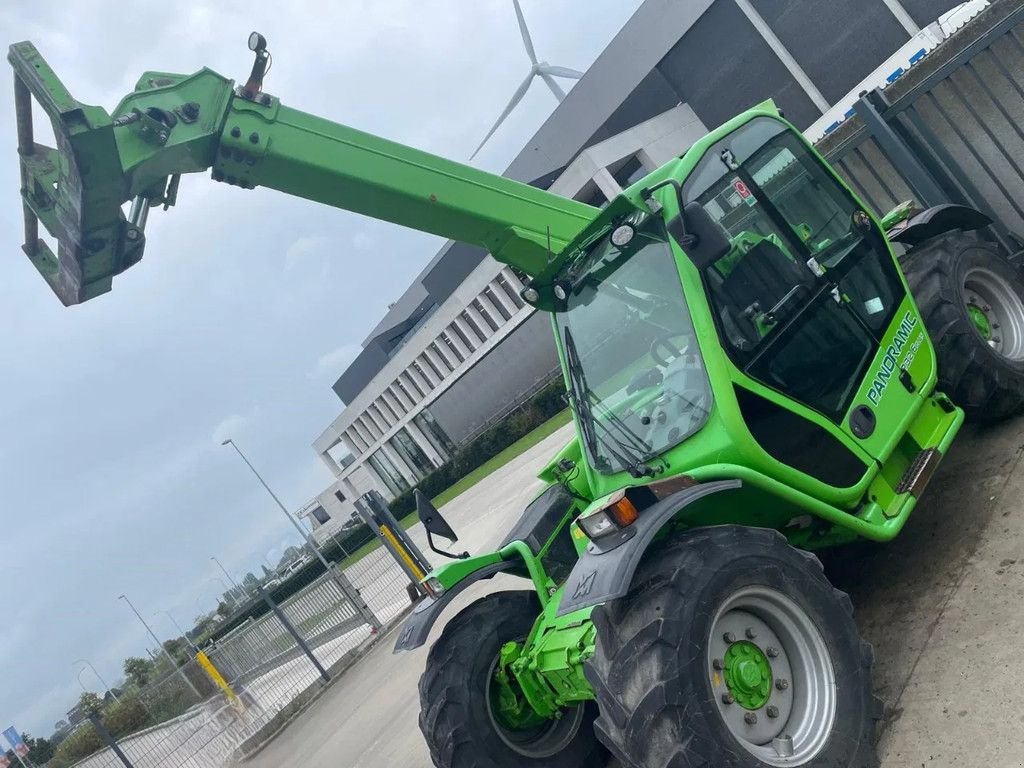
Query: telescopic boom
[[173, 124]]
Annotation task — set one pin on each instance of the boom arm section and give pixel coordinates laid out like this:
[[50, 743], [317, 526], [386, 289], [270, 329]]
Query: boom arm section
[[174, 124]]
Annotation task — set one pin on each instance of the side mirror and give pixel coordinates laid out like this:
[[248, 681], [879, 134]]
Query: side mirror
[[435, 525], [708, 241]]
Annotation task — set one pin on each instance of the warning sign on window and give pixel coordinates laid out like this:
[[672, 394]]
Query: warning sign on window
[[744, 192]]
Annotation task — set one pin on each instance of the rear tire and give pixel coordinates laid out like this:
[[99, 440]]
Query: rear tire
[[972, 303], [455, 711], [660, 649]]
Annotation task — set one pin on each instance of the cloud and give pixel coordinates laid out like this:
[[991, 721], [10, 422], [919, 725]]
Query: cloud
[[304, 249], [114, 410], [231, 427], [362, 241], [335, 361]]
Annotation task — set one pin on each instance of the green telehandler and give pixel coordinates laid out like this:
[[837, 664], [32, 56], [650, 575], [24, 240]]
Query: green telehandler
[[754, 374]]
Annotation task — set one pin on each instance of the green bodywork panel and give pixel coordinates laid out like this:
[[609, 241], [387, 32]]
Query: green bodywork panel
[[548, 667], [174, 124]]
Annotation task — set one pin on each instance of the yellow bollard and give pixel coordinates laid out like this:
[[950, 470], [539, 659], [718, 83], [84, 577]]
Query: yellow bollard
[[406, 557], [218, 678]]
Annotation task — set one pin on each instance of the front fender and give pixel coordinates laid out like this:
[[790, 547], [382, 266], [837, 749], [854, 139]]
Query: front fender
[[606, 570], [936, 221], [427, 611]]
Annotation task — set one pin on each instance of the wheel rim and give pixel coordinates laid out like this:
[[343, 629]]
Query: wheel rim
[[541, 741], [772, 676], [996, 312]]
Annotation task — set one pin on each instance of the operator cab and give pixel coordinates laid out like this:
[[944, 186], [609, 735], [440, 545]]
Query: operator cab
[[807, 286], [801, 287]]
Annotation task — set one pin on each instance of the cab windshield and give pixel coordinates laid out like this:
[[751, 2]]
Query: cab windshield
[[637, 381]]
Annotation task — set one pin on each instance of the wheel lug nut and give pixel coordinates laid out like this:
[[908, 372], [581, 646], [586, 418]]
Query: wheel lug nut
[[728, 698], [782, 684], [772, 711], [717, 664], [772, 652], [751, 634], [729, 637], [750, 718]]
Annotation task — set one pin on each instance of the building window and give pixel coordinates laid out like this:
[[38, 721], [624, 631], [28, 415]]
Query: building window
[[464, 338], [372, 427], [359, 425], [378, 415], [433, 368], [413, 386], [339, 496], [434, 433], [320, 514], [471, 323], [356, 439], [412, 454], [455, 350], [396, 402], [485, 314], [410, 401], [426, 378], [388, 473], [629, 173], [384, 405], [433, 347], [498, 306], [514, 297]]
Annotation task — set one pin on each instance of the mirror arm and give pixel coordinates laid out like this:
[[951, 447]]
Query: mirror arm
[[441, 552]]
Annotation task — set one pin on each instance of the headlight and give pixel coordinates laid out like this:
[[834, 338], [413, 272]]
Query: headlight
[[597, 524], [434, 586], [619, 513]]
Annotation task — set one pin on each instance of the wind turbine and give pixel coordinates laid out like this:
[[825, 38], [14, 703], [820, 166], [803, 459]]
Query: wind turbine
[[543, 70]]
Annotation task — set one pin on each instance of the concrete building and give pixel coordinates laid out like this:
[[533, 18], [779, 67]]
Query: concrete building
[[459, 348]]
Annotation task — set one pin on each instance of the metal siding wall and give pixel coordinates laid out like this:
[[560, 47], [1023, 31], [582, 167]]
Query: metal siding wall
[[523, 358], [968, 116], [722, 66], [861, 34], [873, 178], [965, 113]]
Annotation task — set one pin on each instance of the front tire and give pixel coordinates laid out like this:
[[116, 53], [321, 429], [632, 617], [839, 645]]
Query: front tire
[[456, 717], [732, 650], [972, 303]]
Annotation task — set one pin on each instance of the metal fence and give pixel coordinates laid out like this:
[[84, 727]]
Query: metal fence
[[273, 664], [949, 130]]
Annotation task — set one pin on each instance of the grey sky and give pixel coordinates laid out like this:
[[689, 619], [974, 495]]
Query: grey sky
[[246, 307]]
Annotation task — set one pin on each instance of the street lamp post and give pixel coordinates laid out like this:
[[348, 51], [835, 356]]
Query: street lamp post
[[346, 588], [291, 519], [177, 626], [160, 645], [233, 582], [98, 677], [227, 590]]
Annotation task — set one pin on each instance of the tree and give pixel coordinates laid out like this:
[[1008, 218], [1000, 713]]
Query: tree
[[223, 610], [88, 704], [39, 750], [179, 649], [138, 671], [60, 725]]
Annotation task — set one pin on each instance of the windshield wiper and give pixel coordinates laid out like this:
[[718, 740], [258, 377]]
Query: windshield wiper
[[582, 398]]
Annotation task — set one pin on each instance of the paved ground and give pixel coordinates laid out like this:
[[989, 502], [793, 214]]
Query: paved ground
[[942, 606]]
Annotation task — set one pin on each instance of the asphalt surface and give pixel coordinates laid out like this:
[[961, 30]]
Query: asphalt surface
[[942, 606]]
